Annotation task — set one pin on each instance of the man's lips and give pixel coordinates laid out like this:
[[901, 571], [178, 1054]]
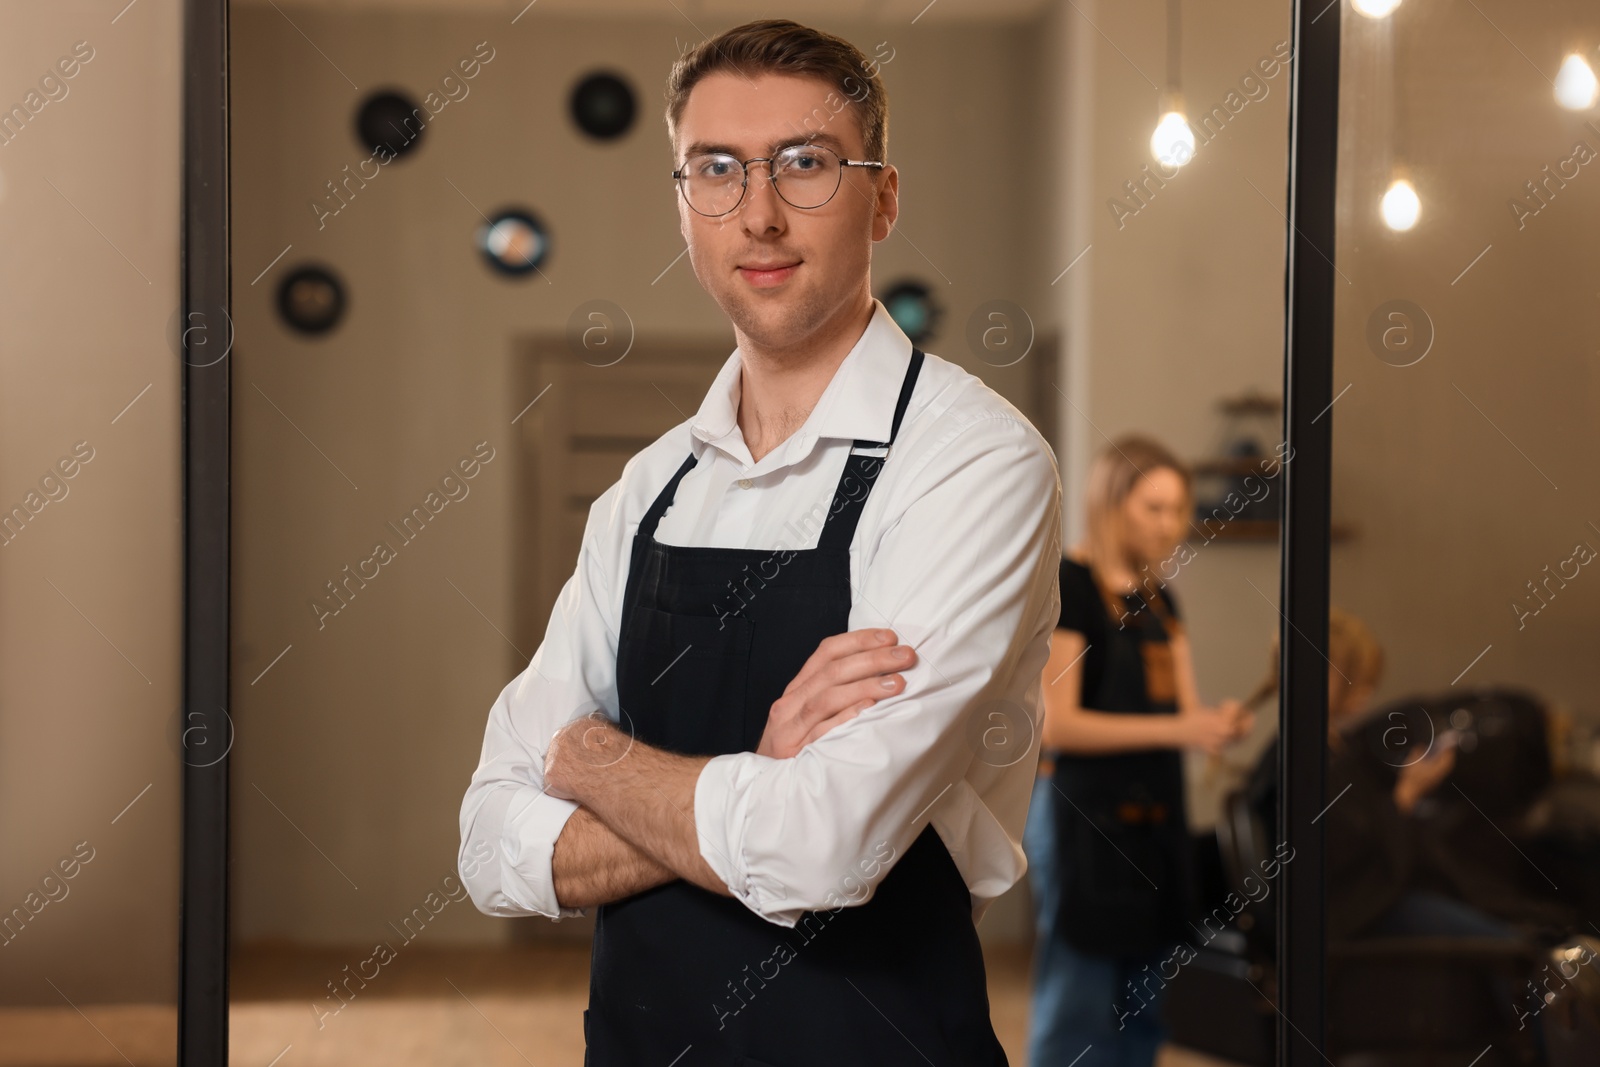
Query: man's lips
[[763, 276]]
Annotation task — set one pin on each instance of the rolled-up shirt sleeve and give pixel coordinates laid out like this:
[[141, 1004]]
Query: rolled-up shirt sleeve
[[965, 571], [509, 824]]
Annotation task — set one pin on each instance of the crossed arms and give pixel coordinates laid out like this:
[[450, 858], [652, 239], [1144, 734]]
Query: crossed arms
[[635, 829], [565, 811]]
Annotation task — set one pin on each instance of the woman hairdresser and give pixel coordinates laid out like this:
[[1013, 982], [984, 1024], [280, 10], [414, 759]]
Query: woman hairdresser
[[1107, 839]]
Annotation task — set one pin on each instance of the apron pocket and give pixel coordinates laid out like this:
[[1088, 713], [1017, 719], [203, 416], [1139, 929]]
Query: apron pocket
[[695, 669]]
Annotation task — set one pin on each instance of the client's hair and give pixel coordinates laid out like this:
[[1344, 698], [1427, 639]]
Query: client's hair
[[1352, 650]]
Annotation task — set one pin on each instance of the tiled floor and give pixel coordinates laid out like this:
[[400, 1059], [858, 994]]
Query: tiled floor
[[514, 1007]]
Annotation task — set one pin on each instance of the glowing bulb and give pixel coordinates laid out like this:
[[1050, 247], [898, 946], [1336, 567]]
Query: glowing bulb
[[1400, 206], [1576, 87], [1375, 9], [1173, 141]]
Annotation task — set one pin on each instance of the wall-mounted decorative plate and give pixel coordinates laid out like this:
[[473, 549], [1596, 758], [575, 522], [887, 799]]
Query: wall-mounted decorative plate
[[311, 299], [387, 120], [603, 106], [514, 241], [912, 306]]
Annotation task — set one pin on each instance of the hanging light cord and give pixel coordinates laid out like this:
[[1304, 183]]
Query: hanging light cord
[[1174, 45]]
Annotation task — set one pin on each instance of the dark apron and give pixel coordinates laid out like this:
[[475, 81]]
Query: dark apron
[[710, 638], [1121, 833]]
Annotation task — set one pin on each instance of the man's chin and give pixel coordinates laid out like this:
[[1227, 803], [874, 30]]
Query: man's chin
[[766, 321]]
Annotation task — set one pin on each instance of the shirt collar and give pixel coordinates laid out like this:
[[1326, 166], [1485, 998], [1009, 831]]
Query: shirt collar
[[859, 401]]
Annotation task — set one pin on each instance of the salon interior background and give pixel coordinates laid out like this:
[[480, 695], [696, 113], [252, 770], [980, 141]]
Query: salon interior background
[[1161, 313]]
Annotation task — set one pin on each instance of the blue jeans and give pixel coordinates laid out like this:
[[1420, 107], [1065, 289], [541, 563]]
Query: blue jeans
[[1082, 1003], [1421, 912]]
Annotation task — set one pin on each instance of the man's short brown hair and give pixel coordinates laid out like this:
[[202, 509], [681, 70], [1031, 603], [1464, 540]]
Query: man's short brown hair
[[782, 46]]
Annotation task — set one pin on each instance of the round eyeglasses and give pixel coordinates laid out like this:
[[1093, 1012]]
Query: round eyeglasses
[[805, 175]]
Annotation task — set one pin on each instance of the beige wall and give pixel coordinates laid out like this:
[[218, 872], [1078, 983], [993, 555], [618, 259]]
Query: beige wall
[[90, 629], [365, 733]]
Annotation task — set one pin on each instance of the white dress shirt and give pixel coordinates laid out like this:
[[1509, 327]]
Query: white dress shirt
[[957, 550]]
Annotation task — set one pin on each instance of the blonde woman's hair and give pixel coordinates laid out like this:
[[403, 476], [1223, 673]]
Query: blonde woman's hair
[[1352, 650], [1113, 473]]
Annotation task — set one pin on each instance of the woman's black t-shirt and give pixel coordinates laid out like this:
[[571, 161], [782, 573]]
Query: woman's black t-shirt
[[1094, 611]]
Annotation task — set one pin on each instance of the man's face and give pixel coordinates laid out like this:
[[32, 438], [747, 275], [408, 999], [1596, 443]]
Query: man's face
[[832, 244]]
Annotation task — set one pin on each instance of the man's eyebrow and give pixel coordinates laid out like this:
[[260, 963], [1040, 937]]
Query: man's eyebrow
[[828, 139]]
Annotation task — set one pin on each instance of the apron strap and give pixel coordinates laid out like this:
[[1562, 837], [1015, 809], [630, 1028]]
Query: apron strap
[[861, 470], [663, 501]]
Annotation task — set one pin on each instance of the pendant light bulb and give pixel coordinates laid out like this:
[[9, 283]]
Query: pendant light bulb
[[1576, 87], [1173, 141], [1400, 206], [1375, 9]]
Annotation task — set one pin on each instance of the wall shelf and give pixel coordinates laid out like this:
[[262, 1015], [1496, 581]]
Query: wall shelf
[[1266, 530]]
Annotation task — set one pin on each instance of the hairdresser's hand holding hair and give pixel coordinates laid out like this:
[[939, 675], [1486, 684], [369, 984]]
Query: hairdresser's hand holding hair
[[1070, 727], [1213, 728]]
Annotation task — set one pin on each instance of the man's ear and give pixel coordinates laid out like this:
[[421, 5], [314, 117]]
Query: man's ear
[[886, 207]]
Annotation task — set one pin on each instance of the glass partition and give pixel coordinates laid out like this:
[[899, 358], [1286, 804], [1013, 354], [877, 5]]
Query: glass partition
[[92, 736], [1461, 776]]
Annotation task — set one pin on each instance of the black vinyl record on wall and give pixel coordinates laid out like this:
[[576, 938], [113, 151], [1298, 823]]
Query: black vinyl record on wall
[[389, 120], [603, 106], [311, 299]]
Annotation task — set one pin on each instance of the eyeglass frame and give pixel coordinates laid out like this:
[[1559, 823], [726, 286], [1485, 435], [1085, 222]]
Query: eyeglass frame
[[744, 181]]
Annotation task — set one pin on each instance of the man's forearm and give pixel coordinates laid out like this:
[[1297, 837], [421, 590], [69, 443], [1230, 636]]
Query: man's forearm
[[592, 865], [644, 794]]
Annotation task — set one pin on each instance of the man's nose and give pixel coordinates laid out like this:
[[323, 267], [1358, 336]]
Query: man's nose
[[761, 193], [759, 181]]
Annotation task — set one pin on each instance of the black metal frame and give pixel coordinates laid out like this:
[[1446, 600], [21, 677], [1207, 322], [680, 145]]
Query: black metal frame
[[207, 391], [1308, 387], [1307, 483]]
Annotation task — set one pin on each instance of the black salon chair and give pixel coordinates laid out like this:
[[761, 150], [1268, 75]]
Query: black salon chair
[[1391, 1001], [1429, 1002], [1222, 1003], [1415, 1002]]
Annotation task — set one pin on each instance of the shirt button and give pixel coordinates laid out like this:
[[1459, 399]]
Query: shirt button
[[744, 483]]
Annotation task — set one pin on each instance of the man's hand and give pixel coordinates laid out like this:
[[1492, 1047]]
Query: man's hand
[[848, 673], [589, 741]]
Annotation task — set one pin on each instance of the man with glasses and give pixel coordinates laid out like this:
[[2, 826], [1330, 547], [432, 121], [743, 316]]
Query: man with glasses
[[789, 824]]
